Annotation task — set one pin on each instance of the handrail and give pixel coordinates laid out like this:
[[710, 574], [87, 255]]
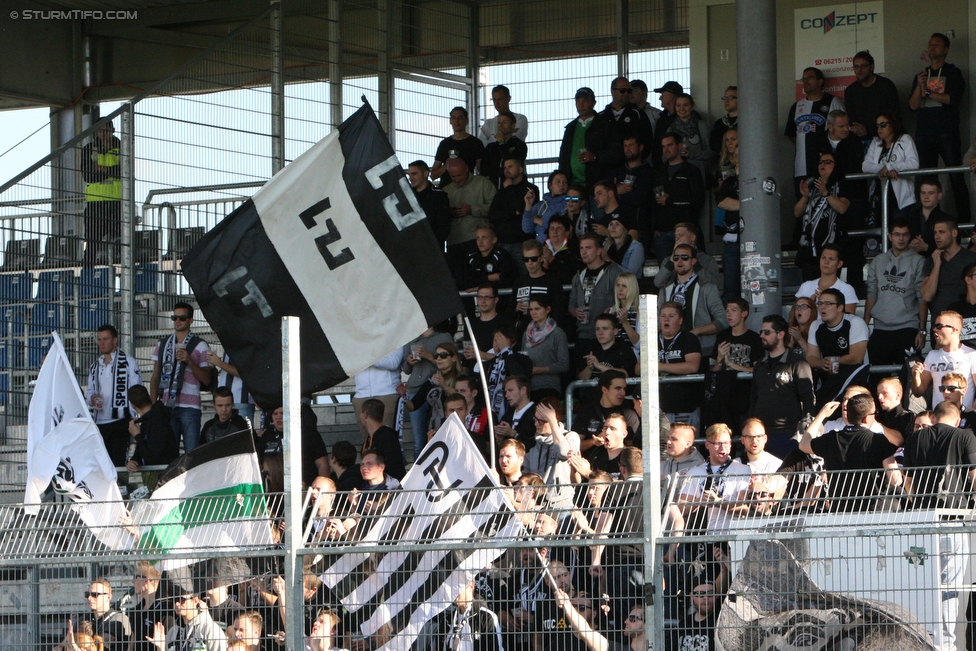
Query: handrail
[[881, 230], [200, 188]]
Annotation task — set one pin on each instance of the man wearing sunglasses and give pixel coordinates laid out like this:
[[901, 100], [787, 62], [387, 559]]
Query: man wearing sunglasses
[[180, 367], [703, 312], [948, 356], [953, 388], [538, 282], [113, 626], [782, 388], [630, 120]]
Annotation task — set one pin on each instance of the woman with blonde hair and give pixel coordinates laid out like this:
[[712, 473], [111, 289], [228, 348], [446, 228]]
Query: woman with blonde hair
[[625, 306]]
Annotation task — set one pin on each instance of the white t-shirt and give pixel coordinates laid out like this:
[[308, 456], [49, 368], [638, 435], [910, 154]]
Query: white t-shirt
[[859, 332], [487, 131], [766, 464], [809, 290], [962, 361], [732, 485], [838, 424]]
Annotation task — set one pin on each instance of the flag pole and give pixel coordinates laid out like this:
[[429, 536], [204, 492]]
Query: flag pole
[[484, 389]]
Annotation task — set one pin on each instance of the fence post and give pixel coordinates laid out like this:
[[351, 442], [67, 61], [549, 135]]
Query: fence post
[[651, 428], [292, 398], [127, 263], [884, 214]]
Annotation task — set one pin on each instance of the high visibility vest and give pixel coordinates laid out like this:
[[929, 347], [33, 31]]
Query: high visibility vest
[[111, 188]]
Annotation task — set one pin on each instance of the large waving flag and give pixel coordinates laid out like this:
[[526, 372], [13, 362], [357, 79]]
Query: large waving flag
[[448, 495], [336, 237], [211, 498], [65, 448]]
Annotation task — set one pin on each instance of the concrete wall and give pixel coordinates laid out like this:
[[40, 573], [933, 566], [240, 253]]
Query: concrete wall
[[906, 33], [37, 56]]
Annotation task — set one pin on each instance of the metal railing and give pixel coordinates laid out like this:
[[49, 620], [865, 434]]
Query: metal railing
[[882, 230]]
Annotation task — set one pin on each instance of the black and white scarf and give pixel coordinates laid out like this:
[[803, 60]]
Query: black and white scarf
[[172, 371], [120, 371], [496, 380]]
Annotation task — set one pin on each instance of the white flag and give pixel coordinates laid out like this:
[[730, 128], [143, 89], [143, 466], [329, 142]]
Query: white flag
[[449, 494], [65, 447]]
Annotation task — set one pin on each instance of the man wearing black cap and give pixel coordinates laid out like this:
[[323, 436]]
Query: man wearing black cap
[[669, 93], [591, 146]]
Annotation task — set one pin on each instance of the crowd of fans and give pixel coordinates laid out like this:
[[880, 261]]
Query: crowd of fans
[[632, 181]]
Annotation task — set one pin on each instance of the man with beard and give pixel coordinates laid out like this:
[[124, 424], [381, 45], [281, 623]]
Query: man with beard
[[782, 388]]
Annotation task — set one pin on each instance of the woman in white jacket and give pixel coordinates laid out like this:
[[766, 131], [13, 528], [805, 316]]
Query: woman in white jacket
[[891, 152]]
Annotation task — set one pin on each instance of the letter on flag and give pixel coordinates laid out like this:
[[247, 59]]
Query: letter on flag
[[337, 238], [64, 447], [448, 495]]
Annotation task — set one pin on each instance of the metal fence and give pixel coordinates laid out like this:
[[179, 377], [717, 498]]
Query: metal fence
[[795, 560], [818, 559]]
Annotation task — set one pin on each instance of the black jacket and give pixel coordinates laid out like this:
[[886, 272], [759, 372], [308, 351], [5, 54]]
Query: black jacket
[[156, 444], [437, 207], [602, 140], [686, 196]]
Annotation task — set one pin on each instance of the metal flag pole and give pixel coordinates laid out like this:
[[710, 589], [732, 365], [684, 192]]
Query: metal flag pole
[[484, 389]]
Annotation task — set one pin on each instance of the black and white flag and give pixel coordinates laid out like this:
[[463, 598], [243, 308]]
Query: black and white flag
[[336, 237], [449, 495]]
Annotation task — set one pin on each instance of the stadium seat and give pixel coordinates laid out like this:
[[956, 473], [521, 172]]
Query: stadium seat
[[146, 247], [45, 318], [147, 278], [63, 251], [16, 287], [56, 285], [96, 282], [182, 240], [37, 347], [14, 319], [22, 254], [94, 312]]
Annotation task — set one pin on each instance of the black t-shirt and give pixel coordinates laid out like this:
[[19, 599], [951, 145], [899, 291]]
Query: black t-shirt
[[143, 621], [618, 355], [698, 636], [897, 419], [941, 446], [853, 448], [600, 459], [470, 150], [589, 420], [313, 447], [387, 441], [484, 331], [968, 311], [747, 348], [554, 628], [679, 398], [525, 288]]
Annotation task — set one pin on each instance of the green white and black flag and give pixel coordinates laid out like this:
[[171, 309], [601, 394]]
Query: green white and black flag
[[337, 238], [211, 498]]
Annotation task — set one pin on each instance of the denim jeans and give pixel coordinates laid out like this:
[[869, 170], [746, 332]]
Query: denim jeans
[[418, 425], [185, 422], [663, 245], [246, 410]]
